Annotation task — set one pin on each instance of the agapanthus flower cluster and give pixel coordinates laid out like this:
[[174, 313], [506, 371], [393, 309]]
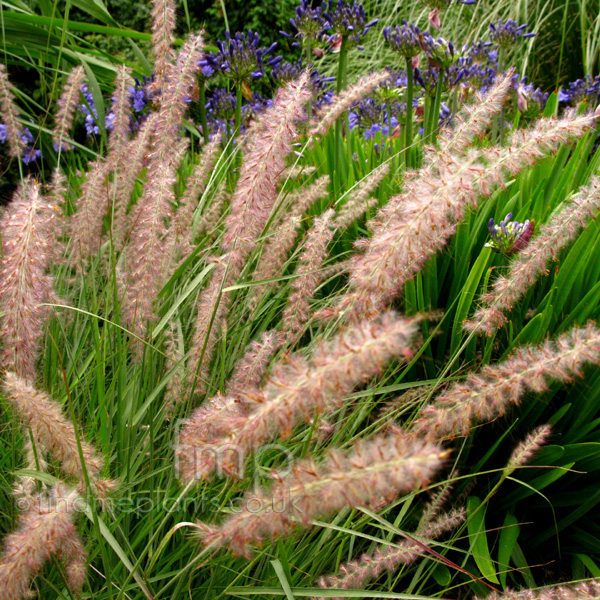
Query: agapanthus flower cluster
[[239, 58], [88, 108], [374, 117], [508, 237], [309, 22], [428, 79], [404, 39], [587, 89], [506, 34], [440, 52], [473, 74], [482, 52], [220, 109], [347, 21]]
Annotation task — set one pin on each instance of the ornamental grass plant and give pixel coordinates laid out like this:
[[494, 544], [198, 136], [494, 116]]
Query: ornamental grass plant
[[295, 350]]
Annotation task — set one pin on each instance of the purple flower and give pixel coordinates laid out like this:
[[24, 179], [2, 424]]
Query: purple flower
[[88, 108], [309, 22], [583, 89], [347, 21], [506, 34], [508, 237], [239, 57], [404, 39], [440, 53]]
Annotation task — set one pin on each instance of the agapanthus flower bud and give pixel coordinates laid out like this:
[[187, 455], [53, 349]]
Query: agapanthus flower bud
[[404, 39]]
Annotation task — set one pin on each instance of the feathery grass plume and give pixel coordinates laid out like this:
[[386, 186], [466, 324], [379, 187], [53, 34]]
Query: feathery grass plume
[[163, 36], [251, 369], [527, 448], [263, 165], [436, 203], [473, 120], [212, 213], [67, 104], [360, 197], [175, 355], [211, 308], [46, 529], [125, 181], [121, 111], [146, 253], [488, 394], [297, 311], [532, 261], [302, 199], [10, 116], [586, 590], [383, 466], [196, 184], [274, 256], [331, 112], [295, 171], [284, 233], [207, 424], [56, 195], [87, 223], [50, 429], [387, 557], [298, 389], [180, 81], [73, 555], [148, 256], [26, 229], [251, 207]]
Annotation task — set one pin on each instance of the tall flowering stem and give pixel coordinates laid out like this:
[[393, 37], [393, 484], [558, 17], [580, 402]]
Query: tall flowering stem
[[10, 115], [67, 104], [297, 312], [586, 590], [263, 164], [489, 394], [46, 530], [408, 135], [381, 467], [27, 240], [50, 428], [296, 391], [357, 574], [120, 115], [163, 36]]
